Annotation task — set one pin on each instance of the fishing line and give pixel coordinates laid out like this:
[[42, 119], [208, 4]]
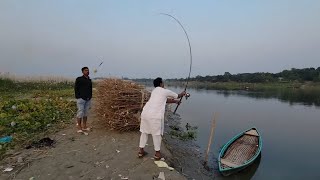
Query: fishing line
[[190, 53]]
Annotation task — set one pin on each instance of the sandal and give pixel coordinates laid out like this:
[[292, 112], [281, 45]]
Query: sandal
[[156, 158], [142, 154], [82, 132], [86, 129], [79, 131]]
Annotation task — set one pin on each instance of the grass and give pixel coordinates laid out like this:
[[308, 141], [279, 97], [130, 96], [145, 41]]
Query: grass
[[28, 109], [14, 89]]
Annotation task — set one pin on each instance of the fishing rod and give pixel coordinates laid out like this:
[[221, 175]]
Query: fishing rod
[[190, 53]]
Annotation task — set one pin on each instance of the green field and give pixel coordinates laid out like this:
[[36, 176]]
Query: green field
[[31, 110]]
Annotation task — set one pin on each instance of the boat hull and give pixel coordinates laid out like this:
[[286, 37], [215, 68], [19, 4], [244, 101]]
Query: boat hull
[[240, 152]]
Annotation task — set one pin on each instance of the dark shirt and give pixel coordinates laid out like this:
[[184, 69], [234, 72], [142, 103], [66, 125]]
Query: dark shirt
[[83, 88]]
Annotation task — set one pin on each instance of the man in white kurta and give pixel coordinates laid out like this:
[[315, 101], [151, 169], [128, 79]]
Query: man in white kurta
[[152, 116]]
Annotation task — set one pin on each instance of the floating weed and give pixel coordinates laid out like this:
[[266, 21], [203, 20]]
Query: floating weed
[[189, 134]]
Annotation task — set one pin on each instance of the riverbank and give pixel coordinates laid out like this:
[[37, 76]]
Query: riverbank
[[103, 154], [186, 156], [31, 111], [308, 86], [299, 93]]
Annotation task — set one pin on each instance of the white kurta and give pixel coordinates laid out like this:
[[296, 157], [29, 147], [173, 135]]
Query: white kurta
[[152, 116]]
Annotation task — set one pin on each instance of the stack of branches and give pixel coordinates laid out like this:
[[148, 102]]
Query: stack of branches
[[120, 102]]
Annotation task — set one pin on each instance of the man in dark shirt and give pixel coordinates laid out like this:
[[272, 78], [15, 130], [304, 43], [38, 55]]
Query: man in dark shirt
[[83, 93]]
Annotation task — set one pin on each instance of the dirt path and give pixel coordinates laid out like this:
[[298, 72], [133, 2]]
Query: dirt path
[[102, 154]]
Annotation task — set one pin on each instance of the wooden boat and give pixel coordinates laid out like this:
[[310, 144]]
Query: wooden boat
[[241, 151]]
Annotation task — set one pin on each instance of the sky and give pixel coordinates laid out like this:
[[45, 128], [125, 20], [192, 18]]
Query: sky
[[45, 37]]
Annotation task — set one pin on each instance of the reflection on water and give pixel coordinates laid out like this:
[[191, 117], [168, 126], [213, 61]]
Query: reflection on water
[[289, 131], [295, 96]]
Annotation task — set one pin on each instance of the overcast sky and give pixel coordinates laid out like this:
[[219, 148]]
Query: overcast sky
[[58, 37]]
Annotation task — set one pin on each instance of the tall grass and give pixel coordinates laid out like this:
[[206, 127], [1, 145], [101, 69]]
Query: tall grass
[[12, 86], [35, 79]]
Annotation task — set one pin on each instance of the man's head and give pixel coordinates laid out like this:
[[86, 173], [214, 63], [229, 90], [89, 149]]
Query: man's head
[[85, 71], [158, 82]]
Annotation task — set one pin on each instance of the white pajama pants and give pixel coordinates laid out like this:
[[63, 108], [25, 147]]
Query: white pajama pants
[[156, 141]]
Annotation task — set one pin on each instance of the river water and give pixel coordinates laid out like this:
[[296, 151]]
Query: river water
[[289, 131]]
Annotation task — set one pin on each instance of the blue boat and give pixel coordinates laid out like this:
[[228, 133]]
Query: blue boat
[[240, 152]]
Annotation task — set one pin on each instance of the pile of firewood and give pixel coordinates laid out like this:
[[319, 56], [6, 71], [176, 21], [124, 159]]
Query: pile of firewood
[[120, 102]]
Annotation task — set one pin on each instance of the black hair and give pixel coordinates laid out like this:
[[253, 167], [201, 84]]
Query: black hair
[[82, 69], [157, 82]]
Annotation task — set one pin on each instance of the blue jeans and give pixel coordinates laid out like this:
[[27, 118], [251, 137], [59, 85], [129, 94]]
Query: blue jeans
[[83, 107]]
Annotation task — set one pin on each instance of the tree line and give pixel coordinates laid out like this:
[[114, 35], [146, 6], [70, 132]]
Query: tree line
[[293, 75]]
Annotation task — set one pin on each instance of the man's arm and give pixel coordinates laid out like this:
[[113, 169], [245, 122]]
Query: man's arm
[[76, 88], [171, 94], [169, 100], [183, 93]]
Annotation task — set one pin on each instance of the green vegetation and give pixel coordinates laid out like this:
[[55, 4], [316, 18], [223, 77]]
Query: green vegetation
[[287, 76], [29, 110], [11, 89], [189, 134], [246, 86]]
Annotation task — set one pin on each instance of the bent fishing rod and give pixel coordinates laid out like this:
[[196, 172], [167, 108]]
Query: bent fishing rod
[[190, 53]]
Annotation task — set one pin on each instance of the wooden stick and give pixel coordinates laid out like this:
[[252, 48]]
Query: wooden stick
[[213, 125]]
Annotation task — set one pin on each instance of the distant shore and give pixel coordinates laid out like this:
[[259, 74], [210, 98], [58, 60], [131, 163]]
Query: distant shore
[[240, 85]]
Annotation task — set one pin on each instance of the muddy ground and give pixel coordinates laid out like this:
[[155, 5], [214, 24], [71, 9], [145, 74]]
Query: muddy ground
[[103, 154]]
